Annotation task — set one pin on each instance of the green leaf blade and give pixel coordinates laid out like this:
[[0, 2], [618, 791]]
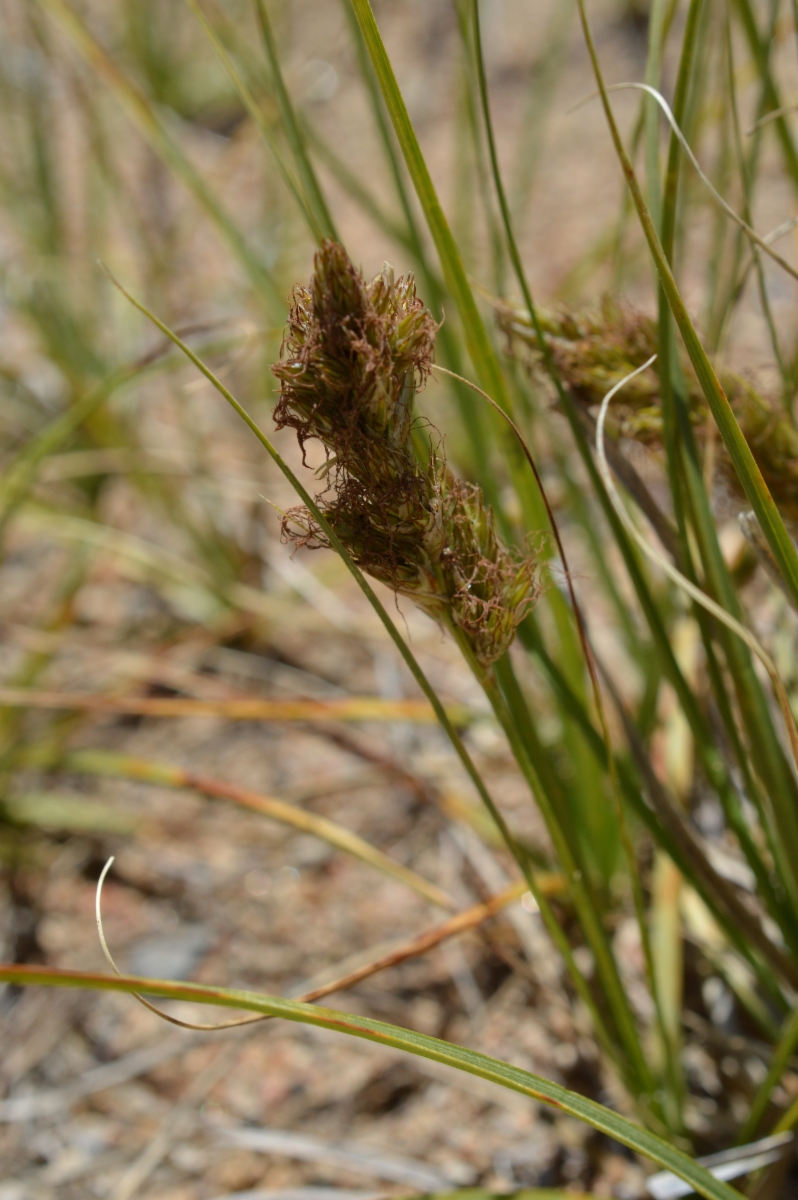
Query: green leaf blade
[[602, 1119]]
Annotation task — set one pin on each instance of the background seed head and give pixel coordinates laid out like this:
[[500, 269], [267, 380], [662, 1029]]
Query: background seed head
[[595, 348]]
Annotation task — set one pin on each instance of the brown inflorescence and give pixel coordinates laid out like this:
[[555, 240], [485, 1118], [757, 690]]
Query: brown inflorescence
[[353, 356], [595, 348]]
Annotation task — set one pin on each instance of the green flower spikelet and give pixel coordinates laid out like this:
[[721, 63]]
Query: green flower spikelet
[[353, 356]]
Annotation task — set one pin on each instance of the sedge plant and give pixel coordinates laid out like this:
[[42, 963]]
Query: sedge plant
[[448, 515]]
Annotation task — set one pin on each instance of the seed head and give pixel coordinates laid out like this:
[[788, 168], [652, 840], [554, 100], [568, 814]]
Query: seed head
[[353, 356], [595, 348]]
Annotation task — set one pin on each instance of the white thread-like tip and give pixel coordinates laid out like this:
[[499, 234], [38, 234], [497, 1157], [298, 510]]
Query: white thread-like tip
[[675, 575], [765, 243], [98, 915], [152, 1007]]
